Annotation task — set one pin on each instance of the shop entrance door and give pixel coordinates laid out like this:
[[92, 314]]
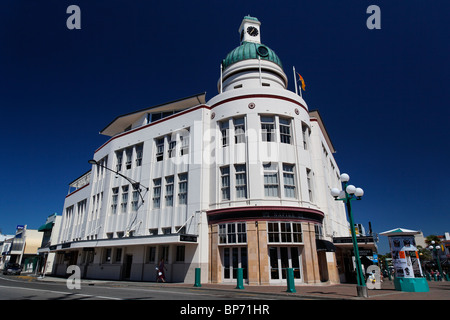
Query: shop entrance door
[[282, 258], [233, 258]]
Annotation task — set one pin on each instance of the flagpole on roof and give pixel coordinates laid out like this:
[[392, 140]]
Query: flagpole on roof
[[295, 81], [221, 79]]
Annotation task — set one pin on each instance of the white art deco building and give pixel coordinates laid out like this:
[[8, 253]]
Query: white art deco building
[[240, 181]]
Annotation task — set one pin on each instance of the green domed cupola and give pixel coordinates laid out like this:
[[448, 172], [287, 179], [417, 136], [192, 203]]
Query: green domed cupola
[[252, 64], [251, 50]]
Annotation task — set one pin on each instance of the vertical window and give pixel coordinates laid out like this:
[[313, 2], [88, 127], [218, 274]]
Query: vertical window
[[139, 155], [135, 198], [169, 191], [225, 180], [157, 193], [93, 208], [118, 255], [159, 149], [241, 181], [124, 203], [309, 176], [324, 150], [128, 154], [224, 128], [239, 130], [231, 233], [180, 253], [305, 135], [318, 231], [115, 195], [285, 130], [182, 188], [270, 180], [297, 232], [241, 232], [285, 232], [163, 253], [274, 232], [172, 145], [184, 141], [268, 128], [222, 233], [119, 156], [107, 256], [289, 180], [151, 254]]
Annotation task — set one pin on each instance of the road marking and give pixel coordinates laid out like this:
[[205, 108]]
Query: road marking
[[222, 294], [62, 292]]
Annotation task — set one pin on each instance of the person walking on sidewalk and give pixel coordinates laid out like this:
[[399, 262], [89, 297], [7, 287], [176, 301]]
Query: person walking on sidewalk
[[161, 273]]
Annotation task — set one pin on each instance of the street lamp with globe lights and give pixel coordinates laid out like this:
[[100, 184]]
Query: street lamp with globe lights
[[348, 194], [435, 248]]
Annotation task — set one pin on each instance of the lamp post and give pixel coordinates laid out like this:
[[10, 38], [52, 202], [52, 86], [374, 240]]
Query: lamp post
[[348, 194], [136, 185], [434, 247]]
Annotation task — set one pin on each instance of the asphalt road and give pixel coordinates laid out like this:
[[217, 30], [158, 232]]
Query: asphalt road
[[20, 288]]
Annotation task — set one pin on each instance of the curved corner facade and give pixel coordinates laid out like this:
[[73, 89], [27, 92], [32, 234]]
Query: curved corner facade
[[239, 181]]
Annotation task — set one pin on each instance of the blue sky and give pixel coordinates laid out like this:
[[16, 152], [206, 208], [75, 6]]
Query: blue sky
[[382, 93]]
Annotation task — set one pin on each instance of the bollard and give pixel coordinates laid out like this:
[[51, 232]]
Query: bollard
[[240, 278], [290, 280], [197, 277]]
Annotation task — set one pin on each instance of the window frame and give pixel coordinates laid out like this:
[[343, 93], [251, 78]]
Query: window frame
[[283, 232], [224, 127], [240, 187], [285, 130], [289, 188], [156, 193], [239, 130], [268, 133], [169, 190], [182, 188], [114, 199], [159, 143], [271, 169], [225, 176], [124, 199], [232, 233]]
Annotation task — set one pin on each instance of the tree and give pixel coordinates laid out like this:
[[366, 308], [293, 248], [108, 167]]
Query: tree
[[434, 238], [424, 254]]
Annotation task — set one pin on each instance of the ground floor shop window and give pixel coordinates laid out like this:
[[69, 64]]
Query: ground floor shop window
[[234, 258], [282, 258]]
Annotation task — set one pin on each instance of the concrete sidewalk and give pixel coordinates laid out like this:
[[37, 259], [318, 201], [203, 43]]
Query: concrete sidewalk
[[438, 290]]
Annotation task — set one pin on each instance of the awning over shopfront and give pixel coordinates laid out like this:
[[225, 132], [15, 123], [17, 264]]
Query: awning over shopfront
[[128, 241], [45, 227], [324, 245]]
